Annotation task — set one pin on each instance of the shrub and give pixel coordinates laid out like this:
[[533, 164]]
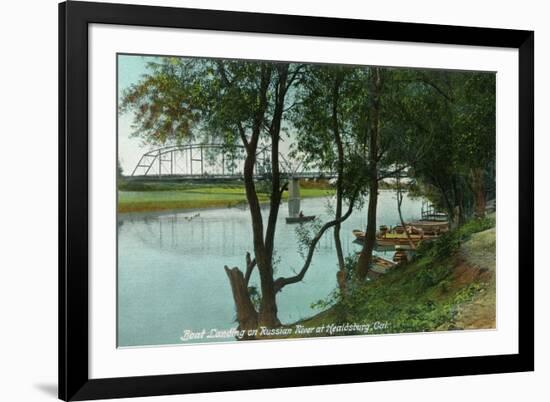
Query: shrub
[[447, 244]]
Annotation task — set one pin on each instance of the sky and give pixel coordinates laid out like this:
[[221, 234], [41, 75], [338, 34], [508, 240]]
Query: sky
[[131, 69]]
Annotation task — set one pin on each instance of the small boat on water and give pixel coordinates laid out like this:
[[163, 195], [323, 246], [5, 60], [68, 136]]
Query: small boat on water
[[359, 234], [299, 219]]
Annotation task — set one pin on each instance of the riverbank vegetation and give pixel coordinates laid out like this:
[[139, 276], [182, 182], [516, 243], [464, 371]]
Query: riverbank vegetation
[[146, 196], [366, 125], [450, 285]]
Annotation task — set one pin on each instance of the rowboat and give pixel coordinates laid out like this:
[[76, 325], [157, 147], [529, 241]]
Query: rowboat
[[389, 240], [359, 234], [431, 226], [396, 239], [299, 219], [411, 229], [403, 247], [381, 265], [398, 236], [400, 256]]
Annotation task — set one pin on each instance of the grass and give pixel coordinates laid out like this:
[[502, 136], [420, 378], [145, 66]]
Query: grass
[[159, 196], [451, 285]]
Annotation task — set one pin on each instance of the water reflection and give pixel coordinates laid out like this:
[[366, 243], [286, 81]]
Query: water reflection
[[170, 267]]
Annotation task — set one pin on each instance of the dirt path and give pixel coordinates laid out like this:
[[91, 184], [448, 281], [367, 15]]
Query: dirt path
[[478, 265]]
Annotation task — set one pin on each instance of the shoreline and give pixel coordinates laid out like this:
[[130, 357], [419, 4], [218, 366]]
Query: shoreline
[[469, 286], [237, 205], [168, 211], [241, 204]]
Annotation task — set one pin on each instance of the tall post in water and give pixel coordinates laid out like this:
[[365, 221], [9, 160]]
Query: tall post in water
[[293, 197]]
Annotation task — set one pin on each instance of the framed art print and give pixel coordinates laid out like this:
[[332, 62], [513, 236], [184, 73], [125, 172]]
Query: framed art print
[[257, 200]]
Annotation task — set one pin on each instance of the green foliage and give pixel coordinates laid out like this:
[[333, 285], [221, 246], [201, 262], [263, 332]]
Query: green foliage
[[119, 174], [441, 124], [475, 226], [419, 301], [305, 233], [136, 196], [255, 296], [431, 275], [415, 297], [445, 122], [328, 114], [447, 244], [164, 103], [327, 302], [350, 262]]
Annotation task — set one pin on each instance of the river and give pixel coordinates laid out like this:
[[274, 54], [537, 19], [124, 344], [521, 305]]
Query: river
[[171, 276]]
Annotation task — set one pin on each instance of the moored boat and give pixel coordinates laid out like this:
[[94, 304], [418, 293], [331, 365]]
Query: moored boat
[[299, 219], [409, 228], [400, 255], [381, 265], [430, 227], [359, 234], [397, 239], [409, 235]]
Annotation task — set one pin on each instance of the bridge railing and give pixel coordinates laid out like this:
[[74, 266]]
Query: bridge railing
[[194, 160], [212, 161]]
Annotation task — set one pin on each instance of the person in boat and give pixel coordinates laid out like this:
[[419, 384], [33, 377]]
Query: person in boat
[[301, 214]]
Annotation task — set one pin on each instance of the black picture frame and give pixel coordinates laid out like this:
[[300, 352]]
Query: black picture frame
[[74, 18]]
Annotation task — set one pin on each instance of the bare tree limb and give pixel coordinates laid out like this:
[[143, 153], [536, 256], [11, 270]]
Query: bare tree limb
[[293, 77], [399, 203], [381, 154], [292, 106], [429, 83], [282, 282], [274, 130], [242, 134], [250, 264], [437, 88], [223, 73], [284, 187]]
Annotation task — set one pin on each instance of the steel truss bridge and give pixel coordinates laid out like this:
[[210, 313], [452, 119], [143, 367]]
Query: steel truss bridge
[[214, 162]]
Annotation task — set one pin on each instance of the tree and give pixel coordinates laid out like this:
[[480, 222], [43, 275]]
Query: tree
[[404, 110], [249, 98], [474, 116], [453, 112], [375, 82], [326, 99], [230, 102], [399, 197], [364, 123]]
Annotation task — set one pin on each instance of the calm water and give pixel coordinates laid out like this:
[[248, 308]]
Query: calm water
[[171, 276]]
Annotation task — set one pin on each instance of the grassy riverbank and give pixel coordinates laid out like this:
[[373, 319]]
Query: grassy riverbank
[[451, 285], [161, 196]]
